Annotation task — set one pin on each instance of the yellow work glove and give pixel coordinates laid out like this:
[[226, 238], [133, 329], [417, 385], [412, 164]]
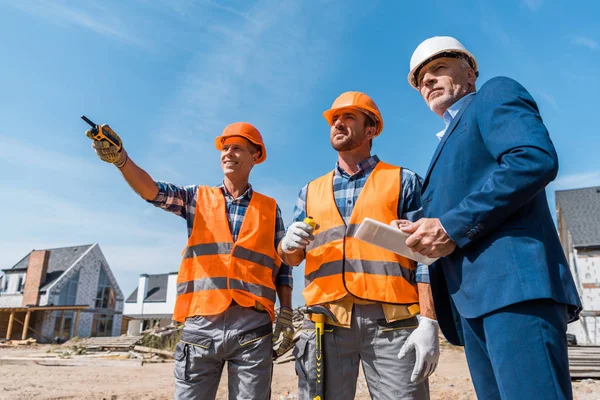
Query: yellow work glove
[[285, 327], [107, 152]]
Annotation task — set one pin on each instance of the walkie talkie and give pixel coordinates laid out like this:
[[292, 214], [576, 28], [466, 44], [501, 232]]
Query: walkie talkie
[[103, 132]]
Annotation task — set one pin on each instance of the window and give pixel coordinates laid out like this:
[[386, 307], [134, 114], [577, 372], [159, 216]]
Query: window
[[4, 287], [102, 325], [68, 294], [21, 283], [64, 332], [105, 296]]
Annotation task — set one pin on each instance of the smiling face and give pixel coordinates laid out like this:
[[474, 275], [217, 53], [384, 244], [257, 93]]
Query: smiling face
[[238, 156], [444, 81], [349, 130]]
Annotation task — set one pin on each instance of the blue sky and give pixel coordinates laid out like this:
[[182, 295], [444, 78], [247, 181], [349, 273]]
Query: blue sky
[[168, 75]]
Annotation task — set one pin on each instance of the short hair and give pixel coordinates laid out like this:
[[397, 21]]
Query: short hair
[[254, 148], [369, 122], [465, 64]]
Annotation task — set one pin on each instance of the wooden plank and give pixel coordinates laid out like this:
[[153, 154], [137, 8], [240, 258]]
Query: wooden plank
[[26, 325], [594, 285], [62, 321], [23, 342], [10, 325], [157, 361], [586, 375], [70, 362], [41, 308], [76, 323], [143, 349], [113, 346]]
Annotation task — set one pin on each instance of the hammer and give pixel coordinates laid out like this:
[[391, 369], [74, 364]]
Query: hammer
[[319, 314]]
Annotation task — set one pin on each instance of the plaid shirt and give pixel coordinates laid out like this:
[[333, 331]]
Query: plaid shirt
[[181, 200], [346, 189]]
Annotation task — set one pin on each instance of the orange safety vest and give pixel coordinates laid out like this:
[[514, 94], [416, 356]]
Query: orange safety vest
[[337, 264], [216, 270]]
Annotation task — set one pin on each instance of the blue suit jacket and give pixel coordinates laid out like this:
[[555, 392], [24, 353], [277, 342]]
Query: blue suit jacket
[[486, 183]]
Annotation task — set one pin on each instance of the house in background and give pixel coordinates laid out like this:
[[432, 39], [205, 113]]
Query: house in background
[[152, 302], [578, 215], [60, 293]]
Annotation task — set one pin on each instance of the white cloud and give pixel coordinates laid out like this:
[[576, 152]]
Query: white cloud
[[48, 214], [533, 5], [28, 155], [575, 181], [100, 20], [548, 98], [585, 42], [263, 55]]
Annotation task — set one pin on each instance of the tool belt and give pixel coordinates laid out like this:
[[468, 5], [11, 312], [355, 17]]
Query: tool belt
[[257, 306], [342, 309]]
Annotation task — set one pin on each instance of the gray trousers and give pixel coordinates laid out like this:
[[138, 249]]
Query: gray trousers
[[242, 337], [370, 339]]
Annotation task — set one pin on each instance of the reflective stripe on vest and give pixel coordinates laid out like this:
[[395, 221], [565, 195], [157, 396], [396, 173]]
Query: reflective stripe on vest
[[338, 264], [215, 270]]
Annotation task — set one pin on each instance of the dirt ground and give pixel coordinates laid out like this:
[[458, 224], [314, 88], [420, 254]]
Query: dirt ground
[[155, 381]]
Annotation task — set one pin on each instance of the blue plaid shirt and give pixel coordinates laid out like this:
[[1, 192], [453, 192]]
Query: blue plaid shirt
[[181, 200], [346, 189]]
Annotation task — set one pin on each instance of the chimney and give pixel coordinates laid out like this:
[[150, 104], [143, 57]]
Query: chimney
[[35, 276], [142, 289]]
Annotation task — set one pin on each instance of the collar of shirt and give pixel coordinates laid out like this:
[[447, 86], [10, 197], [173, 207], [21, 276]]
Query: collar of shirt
[[363, 166], [451, 112], [247, 194]]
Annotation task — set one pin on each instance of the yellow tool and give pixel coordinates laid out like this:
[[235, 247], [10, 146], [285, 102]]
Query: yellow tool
[[319, 320], [414, 309], [103, 132], [311, 222], [319, 314]]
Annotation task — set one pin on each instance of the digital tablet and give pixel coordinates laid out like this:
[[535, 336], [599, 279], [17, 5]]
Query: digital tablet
[[389, 238]]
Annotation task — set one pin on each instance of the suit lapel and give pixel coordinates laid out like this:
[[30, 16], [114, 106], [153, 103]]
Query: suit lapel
[[442, 143]]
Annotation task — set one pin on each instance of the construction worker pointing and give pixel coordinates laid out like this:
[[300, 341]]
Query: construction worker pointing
[[230, 272], [371, 296]]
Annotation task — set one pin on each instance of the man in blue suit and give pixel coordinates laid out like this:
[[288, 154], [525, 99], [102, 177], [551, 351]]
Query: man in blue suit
[[502, 287]]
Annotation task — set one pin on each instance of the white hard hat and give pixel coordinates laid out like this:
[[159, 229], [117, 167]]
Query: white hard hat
[[437, 47]]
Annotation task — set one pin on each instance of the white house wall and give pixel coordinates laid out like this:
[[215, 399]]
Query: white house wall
[[164, 307], [588, 264], [156, 308], [12, 297], [587, 276], [11, 300], [132, 309], [172, 292]]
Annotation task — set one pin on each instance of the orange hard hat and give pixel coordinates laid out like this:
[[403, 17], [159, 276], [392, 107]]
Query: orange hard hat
[[357, 101], [247, 131]]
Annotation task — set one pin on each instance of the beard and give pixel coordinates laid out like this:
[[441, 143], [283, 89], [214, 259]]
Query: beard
[[348, 143], [443, 102]]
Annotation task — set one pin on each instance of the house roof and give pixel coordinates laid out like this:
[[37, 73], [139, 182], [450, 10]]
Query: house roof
[[156, 291], [59, 260], [581, 211]]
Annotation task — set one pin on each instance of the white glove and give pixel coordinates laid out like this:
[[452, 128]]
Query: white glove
[[297, 237], [426, 343]]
